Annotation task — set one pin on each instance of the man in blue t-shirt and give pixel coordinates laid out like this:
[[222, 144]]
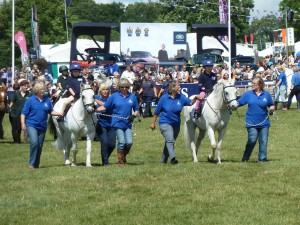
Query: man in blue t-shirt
[[112, 67]]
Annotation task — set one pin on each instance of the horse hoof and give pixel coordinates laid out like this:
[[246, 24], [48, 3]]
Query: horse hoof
[[89, 165], [73, 164], [209, 159]]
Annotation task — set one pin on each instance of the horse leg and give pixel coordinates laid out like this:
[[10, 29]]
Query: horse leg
[[74, 149], [219, 146], [200, 137], [189, 137], [2, 113], [213, 144], [89, 139]]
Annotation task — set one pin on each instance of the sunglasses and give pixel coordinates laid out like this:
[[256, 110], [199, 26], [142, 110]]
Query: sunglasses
[[123, 87]]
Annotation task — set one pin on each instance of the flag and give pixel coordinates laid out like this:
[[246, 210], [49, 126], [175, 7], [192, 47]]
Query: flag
[[21, 41], [35, 31], [260, 43], [251, 38], [223, 14], [246, 38], [67, 3]]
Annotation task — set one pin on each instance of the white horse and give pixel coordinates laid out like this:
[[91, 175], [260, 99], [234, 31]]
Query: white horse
[[215, 117], [78, 122]]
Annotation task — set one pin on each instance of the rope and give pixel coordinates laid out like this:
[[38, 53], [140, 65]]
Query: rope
[[119, 117], [258, 124]]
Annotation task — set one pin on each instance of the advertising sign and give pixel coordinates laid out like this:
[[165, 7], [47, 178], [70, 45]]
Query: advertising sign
[[149, 40]]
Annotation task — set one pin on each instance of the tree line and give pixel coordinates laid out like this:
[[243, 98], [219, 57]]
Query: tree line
[[52, 27]]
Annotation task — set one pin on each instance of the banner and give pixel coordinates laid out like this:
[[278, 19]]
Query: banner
[[223, 14], [21, 41], [283, 33], [35, 31], [251, 38], [67, 2], [246, 38]]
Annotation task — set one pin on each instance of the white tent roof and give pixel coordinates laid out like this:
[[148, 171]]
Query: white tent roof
[[265, 52], [61, 53]]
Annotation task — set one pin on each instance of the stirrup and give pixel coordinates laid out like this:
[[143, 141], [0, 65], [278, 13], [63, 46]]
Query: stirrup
[[60, 119], [196, 114]]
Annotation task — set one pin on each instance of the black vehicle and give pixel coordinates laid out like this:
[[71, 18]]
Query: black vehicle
[[198, 58]]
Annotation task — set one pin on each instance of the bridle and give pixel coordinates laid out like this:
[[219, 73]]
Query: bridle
[[86, 106], [224, 96]]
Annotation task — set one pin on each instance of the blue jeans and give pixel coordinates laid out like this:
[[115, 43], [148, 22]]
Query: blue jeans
[[37, 138], [170, 134], [280, 95], [262, 135], [124, 139], [107, 143]]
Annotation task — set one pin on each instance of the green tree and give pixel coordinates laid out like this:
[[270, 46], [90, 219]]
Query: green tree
[[190, 11], [294, 6], [51, 23], [263, 28]]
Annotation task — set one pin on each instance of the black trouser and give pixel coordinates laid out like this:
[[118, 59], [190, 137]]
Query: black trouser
[[147, 100], [16, 129], [294, 92]]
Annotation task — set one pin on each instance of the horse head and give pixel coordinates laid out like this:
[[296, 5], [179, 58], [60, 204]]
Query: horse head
[[229, 94], [87, 96], [3, 97]]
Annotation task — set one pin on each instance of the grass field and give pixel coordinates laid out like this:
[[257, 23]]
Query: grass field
[[147, 192]]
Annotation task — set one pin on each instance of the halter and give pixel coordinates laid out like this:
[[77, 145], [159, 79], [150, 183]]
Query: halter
[[86, 105], [224, 97]]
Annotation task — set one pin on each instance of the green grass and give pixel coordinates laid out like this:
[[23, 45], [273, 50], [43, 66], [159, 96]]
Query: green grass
[[147, 192]]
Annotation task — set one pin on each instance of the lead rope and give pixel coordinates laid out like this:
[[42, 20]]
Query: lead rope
[[258, 124]]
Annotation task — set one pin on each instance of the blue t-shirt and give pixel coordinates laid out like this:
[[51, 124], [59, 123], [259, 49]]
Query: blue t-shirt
[[296, 79], [257, 110], [282, 76], [111, 69], [121, 107], [36, 112], [105, 121], [170, 108]]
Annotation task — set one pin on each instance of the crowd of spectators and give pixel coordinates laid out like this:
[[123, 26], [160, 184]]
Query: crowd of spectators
[[149, 83]]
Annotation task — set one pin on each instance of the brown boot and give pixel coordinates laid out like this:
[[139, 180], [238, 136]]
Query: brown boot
[[126, 152], [121, 158], [284, 106], [276, 105]]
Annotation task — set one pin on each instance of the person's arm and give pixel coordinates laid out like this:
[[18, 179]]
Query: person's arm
[[195, 98], [152, 125], [23, 119], [278, 83], [100, 109], [54, 113]]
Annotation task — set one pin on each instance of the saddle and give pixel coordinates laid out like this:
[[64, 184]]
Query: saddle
[[66, 95]]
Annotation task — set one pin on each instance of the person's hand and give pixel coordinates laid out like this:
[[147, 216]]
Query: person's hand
[[8, 109], [152, 126], [23, 125], [131, 117]]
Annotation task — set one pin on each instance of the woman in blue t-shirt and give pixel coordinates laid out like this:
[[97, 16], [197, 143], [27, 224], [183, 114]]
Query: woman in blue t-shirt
[[105, 131], [125, 108], [34, 120], [168, 109], [257, 120]]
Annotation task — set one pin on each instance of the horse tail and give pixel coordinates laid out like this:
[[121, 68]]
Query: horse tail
[[52, 128]]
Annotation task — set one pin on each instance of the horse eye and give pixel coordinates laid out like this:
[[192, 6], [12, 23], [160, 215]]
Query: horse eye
[[226, 93]]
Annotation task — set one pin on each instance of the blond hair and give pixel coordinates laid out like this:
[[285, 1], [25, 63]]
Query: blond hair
[[38, 86]]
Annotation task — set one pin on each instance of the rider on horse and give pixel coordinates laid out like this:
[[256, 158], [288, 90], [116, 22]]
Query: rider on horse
[[206, 81], [73, 86]]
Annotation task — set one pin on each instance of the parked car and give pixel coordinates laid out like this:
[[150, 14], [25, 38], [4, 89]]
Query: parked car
[[143, 55], [197, 59], [96, 56]]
